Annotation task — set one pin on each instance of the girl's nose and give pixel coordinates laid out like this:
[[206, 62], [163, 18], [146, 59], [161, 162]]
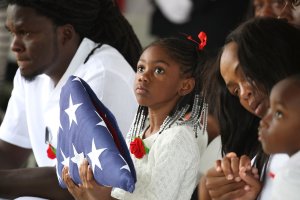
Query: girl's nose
[[144, 77]]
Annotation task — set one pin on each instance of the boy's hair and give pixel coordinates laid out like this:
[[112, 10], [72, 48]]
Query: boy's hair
[[98, 20], [191, 61], [295, 77]]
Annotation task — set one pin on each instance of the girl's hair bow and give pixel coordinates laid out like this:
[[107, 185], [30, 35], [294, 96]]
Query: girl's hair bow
[[202, 37]]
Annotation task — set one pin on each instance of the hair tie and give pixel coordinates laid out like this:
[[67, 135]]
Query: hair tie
[[202, 37]]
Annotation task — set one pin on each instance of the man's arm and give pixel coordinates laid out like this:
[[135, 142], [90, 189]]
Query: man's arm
[[12, 156], [38, 182]]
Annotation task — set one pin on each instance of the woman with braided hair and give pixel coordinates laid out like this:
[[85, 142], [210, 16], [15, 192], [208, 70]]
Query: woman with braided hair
[[53, 39]]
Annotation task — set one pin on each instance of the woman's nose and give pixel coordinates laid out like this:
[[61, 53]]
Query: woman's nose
[[245, 91]]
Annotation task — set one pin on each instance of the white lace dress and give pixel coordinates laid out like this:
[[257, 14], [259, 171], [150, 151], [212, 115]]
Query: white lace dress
[[171, 169]]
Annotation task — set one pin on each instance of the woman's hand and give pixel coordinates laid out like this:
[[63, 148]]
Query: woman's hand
[[219, 187], [224, 181], [89, 189], [253, 185]]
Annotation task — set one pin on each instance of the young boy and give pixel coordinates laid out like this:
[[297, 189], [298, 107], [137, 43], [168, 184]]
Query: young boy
[[279, 133]]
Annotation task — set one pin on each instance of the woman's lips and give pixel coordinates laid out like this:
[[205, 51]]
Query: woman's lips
[[259, 110]]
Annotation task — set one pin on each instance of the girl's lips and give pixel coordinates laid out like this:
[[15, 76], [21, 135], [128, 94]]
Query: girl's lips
[[141, 90]]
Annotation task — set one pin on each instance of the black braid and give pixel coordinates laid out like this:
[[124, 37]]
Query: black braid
[[98, 20]]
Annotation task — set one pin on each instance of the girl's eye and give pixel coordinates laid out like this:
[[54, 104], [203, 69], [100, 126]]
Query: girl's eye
[[278, 115], [159, 70], [140, 68]]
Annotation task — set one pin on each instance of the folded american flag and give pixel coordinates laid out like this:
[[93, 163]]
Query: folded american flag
[[89, 130]]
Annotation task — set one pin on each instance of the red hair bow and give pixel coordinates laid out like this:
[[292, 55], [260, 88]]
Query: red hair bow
[[202, 37]]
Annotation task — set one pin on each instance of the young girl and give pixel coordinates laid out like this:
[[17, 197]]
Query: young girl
[[279, 133], [165, 148]]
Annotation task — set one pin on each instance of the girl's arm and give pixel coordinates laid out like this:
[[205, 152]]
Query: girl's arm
[[89, 189]]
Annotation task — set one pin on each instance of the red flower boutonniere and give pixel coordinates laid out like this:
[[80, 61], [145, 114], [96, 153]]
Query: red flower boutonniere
[[271, 175], [51, 152], [138, 148]]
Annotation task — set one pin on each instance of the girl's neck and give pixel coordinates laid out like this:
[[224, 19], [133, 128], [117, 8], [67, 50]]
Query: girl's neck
[[156, 119]]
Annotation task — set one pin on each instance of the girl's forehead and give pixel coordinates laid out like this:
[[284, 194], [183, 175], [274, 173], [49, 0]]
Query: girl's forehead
[[156, 51]]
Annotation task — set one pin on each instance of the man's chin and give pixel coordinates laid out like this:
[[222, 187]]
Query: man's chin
[[29, 77]]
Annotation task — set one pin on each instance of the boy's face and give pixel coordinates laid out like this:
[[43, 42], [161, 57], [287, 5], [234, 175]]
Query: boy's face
[[279, 129]]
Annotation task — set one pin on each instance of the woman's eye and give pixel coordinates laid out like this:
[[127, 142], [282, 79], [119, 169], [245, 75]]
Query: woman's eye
[[278, 115], [159, 70], [236, 92]]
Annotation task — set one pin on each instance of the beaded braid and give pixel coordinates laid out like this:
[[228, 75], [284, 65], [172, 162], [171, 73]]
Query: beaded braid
[[98, 20], [191, 63]]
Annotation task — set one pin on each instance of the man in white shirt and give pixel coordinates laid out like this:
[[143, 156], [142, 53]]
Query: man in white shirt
[[51, 41]]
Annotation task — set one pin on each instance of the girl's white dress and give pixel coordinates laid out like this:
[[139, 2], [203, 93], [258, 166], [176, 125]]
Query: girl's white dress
[[171, 169]]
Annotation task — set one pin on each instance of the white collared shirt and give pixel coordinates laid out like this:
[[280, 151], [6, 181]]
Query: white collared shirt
[[34, 105]]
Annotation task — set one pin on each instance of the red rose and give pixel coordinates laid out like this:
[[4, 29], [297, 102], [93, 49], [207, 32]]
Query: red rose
[[137, 148], [51, 152]]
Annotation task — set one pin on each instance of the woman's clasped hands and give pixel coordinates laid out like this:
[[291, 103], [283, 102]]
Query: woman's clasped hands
[[232, 178]]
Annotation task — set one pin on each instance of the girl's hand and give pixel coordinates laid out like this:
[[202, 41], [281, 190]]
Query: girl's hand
[[89, 189], [76, 191]]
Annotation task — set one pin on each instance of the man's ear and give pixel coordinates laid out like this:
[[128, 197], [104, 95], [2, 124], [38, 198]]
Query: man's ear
[[67, 33], [187, 86]]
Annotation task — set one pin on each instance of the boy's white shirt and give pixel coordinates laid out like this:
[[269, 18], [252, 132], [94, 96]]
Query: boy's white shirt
[[275, 164], [287, 181]]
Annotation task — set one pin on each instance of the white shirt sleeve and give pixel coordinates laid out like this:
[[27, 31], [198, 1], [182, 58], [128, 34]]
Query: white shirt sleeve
[[14, 126], [177, 11]]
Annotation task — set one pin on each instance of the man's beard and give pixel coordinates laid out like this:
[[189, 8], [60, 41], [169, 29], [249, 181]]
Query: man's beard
[[30, 77]]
